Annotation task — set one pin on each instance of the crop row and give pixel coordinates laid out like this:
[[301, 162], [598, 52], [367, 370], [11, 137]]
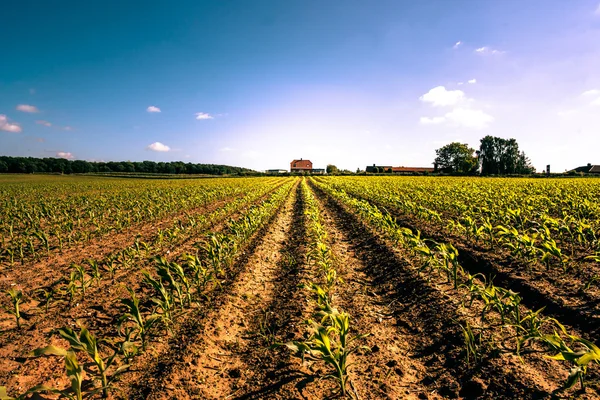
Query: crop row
[[31, 227], [169, 289], [543, 224], [494, 318], [328, 337]]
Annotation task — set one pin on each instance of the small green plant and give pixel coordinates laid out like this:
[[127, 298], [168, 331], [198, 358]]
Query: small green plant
[[143, 325], [106, 367], [581, 359], [15, 298], [331, 344]]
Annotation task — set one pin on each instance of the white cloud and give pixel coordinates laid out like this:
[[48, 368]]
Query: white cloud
[[153, 109], [460, 83], [65, 155], [472, 80], [460, 116], [7, 126], [469, 118], [439, 96], [596, 102], [485, 50], [202, 115], [42, 122], [567, 113], [591, 92], [457, 45], [432, 121], [158, 146], [27, 108], [68, 128]]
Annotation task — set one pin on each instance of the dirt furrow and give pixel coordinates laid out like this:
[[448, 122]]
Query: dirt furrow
[[387, 371], [169, 374], [98, 312], [427, 318], [560, 298], [40, 273], [236, 338]]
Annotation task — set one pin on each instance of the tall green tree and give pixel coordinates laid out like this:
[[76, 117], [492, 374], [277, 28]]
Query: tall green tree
[[457, 158], [498, 156], [332, 169]]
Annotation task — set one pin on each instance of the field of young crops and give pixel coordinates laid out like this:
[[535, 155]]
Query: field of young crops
[[286, 288]]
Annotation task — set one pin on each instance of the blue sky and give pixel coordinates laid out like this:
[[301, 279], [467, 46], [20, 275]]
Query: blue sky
[[257, 84]]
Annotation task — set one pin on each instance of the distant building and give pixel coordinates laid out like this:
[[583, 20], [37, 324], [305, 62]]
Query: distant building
[[276, 171], [588, 169], [301, 166], [398, 170], [317, 171]]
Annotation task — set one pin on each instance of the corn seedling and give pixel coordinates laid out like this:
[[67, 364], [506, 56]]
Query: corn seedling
[[331, 344], [581, 359], [142, 324], [15, 298]]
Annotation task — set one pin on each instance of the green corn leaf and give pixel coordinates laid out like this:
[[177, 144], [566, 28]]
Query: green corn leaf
[[49, 351]]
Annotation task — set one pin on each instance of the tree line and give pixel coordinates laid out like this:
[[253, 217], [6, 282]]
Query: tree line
[[30, 165], [496, 156]]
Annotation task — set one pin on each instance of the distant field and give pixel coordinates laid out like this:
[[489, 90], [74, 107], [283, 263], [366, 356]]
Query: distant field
[[388, 287]]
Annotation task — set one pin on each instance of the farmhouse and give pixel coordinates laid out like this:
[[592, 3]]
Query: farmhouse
[[399, 170], [588, 169], [301, 166]]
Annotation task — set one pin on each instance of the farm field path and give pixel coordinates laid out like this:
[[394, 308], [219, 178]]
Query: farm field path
[[426, 316], [224, 355], [387, 371], [99, 311]]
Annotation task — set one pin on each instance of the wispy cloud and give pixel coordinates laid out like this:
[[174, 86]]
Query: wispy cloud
[[7, 126], [42, 122], [202, 115], [226, 149], [591, 92], [158, 146], [597, 12], [469, 118], [153, 109], [432, 121], [68, 128], [485, 50], [596, 102], [457, 45], [440, 96], [472, 81], [461, 117], [66, 155], [27, 108]]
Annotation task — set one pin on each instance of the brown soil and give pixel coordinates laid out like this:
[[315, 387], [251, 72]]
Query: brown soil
[[426, 315], [560, 293], [99, 312]]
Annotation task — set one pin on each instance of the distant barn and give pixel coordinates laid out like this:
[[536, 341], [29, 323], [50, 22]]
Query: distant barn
[[588, 169], [301, 166]]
